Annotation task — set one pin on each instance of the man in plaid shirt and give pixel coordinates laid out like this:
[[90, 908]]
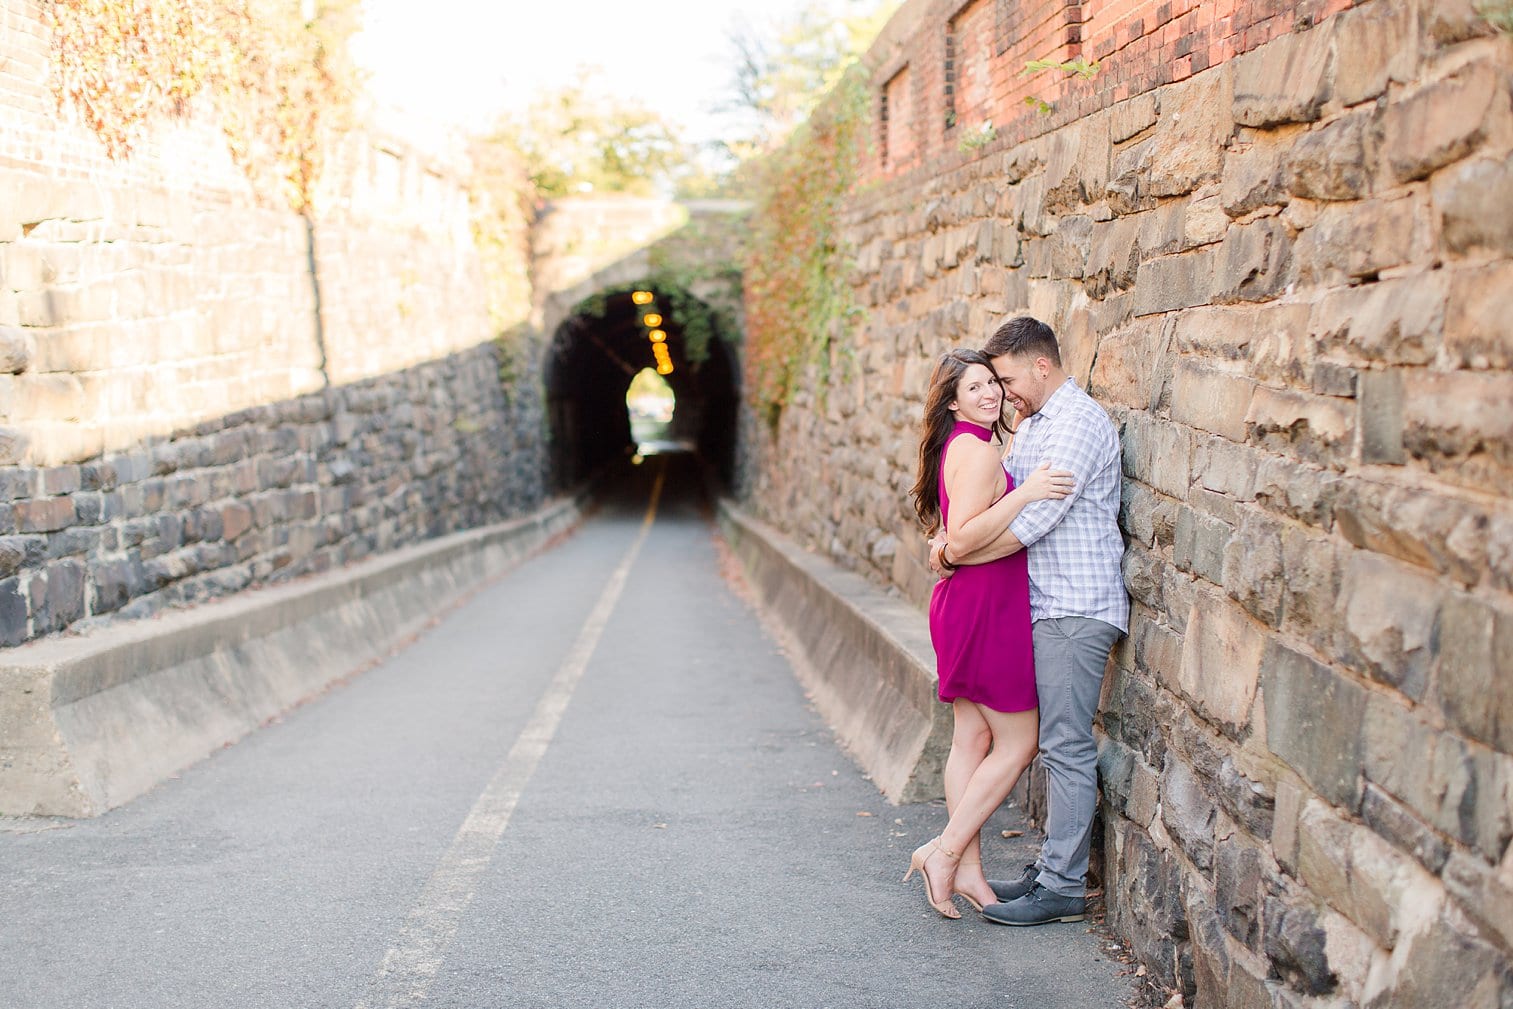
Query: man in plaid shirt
[[1078, 605]]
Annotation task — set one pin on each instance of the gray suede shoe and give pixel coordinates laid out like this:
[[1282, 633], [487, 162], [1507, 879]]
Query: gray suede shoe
[[1013, 889], [1038, 907]]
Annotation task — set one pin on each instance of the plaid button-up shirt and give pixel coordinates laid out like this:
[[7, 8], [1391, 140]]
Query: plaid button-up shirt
[[1074, 543]]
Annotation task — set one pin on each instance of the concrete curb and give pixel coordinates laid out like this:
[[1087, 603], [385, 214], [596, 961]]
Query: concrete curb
[[90, 722], [865, 657]]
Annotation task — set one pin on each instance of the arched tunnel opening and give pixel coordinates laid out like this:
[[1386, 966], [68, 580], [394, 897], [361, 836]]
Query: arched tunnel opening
[[597, 353]]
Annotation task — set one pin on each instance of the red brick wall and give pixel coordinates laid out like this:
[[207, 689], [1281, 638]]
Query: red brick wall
[[1139, 45]]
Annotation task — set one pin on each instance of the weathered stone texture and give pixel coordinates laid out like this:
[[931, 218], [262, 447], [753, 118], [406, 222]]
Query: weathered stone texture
[[1287, 278]]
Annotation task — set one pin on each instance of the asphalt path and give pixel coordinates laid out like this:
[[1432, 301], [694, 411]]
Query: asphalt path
[[596, 783]]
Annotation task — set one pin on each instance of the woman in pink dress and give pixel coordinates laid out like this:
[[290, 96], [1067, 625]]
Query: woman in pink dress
[[979, 619]]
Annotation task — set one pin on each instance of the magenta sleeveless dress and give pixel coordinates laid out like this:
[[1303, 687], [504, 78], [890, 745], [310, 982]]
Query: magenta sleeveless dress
[[980, 622]]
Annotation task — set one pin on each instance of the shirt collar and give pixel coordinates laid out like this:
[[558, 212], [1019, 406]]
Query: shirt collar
[[1052, 406]]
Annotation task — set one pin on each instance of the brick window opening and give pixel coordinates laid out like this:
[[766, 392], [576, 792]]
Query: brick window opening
[[897, 121], [969, 48], [950, 74]]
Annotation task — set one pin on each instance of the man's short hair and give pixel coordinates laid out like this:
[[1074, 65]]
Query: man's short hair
[[1023, 337]]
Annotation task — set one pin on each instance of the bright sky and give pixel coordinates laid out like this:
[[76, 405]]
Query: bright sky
[[463, 62]]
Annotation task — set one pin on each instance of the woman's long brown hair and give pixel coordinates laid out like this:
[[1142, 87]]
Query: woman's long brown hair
[[935, 430]]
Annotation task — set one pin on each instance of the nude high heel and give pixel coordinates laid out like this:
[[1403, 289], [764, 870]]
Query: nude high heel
[[918, 863], [964, 895]]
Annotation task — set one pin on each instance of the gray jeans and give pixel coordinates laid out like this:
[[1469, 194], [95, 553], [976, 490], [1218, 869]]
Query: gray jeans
[[1070, 655]]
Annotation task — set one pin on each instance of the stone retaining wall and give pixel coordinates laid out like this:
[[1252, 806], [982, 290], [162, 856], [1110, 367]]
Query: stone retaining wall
[[199, 393], [1288, 275]]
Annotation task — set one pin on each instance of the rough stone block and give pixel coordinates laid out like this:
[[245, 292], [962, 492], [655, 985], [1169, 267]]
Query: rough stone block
[[1210, 400], [1253, 176], [1128, 190], [1296, 943], [1332, 379], [1460, 425], [1477, 321], [1314, 718], [15, 612], [1223, 467], [14, 444], [1382, 418], [1221, 662], [1310, 586], [1401, 827], [1188, 811], [1397, 321], [1205, 220], [1158, 454], [1224, 333], [15, 350], [1461, 198], [1190, 136], [1337, 161], [1444, 965], [1285, 81], [1290, 800], [1254, 263], [1113, 257], [1174, 282], [40, 515], [1389, 612], [1356, 240], [1253, 573], [1130, 364], [1486, 893], [1378, 44], [1144, 797], [1313, 428], [1474, 656], [1441, 122], [1132, 117], [1198, 545], [1238, 891]]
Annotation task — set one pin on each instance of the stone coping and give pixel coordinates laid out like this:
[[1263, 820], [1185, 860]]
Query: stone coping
[[89, 722], [864, 656]]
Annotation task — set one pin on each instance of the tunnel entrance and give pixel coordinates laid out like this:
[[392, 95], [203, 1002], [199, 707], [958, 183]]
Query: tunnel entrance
[[598, 352]]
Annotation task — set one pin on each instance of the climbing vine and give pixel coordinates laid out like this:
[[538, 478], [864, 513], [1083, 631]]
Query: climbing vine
[[276, 73], [797, 293]]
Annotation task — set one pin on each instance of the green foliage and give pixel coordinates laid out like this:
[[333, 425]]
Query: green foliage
[[1498, 13], [783, 74], [580, 139], [1078, 68], [276, 71], [797, 289], [980, 137], [501, 201], [1081, 68]]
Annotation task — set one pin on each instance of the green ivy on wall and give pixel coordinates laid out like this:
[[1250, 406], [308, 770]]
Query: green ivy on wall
[[277, 73], [797, 294]]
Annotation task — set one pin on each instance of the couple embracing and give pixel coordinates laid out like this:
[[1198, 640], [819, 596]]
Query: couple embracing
[[1030, 601]]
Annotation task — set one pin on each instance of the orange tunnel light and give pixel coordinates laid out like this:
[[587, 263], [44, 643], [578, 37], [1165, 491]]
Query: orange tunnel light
[[652, 319], [641, 297], [657, 335]]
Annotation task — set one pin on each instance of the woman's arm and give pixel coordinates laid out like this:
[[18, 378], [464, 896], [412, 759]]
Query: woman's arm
[[990, 523]]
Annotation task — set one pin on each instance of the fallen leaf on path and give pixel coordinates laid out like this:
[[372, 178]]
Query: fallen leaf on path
[[1013, 833], [863, 813]]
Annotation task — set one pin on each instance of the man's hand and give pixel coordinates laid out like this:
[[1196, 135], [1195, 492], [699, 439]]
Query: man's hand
[[937, 547]]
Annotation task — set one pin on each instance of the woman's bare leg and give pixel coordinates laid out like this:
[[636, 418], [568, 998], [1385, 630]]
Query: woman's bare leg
[[971, 738], [1015, 741]]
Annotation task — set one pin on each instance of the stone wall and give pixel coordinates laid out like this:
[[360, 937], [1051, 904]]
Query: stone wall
[[199, 393], [1277, 243]]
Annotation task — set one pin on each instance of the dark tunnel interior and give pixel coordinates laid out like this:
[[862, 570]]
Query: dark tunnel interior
[[597, 351]]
